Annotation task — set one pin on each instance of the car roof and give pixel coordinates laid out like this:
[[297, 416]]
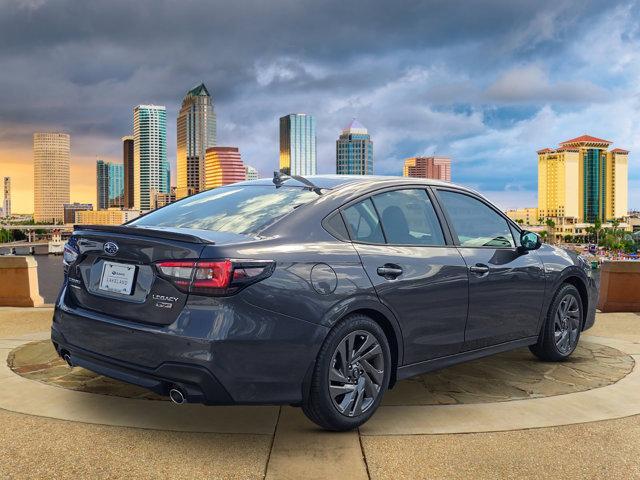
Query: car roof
[[332, 182]]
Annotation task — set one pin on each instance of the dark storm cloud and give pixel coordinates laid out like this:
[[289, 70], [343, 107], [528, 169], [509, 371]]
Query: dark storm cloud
[[417, 73]]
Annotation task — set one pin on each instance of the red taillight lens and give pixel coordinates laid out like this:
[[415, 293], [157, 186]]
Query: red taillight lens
[[214, 277]]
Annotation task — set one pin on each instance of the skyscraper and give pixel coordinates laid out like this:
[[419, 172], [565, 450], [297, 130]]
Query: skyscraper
[[110, 185], [102, 185], [196, 131], [298, 144], [438, 168], [223, 166], [151, 168], [7, 197], [354, 150], [127, 162], [51, 157], [251, 173], [582, 180]]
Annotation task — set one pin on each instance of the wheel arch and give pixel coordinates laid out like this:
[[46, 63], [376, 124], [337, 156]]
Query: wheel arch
[[581, 286]]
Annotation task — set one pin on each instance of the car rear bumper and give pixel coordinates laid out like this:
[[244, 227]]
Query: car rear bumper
[[216, 352]]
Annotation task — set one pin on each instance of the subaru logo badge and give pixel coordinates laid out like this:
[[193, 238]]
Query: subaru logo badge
[[110, 248]]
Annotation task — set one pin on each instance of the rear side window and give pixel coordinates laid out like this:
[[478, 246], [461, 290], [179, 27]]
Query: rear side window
[[408, 218], [363, 223], [241, 209], [476, 224]]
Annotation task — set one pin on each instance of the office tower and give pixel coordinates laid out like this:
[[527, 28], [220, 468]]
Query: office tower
[[438, 168], [298, 144], [251, 173], [51, 158], [109, 185], [354, 150], [127, 162], [151, 168], [102, 185], [70, 210], [582, 180], [196, 131], [7, 197], [223, 166]]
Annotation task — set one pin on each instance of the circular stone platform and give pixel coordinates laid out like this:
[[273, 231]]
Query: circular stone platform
[[515, 375]]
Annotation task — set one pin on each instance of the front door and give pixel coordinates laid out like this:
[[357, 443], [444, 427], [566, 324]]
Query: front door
[[506, 284], [415, 273]]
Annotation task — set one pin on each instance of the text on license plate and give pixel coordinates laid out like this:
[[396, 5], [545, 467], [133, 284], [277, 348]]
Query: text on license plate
[[117, 277]]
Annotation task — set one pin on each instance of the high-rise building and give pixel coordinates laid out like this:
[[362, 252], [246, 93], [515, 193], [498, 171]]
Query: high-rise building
[[354, 150], [109, 185], [251, 173], [163, 199], [51, 158], [70, 210], [438, 168], [223, 166], [7, 197], [196, 131], [127, 162], [582, 180], [150, 165], [298, 144]]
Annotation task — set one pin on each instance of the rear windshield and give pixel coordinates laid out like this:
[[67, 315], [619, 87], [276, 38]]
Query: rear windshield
[[245, 209]]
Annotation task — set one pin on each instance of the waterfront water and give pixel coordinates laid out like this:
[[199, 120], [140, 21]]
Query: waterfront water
[[50, 275]]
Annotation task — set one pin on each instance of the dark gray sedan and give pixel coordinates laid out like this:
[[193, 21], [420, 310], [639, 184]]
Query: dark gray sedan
[[320, 292]]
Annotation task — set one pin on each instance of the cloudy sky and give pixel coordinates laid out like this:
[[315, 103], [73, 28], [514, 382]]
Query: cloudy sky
[[486, 83]]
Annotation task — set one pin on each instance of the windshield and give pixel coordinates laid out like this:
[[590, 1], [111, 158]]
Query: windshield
[[242, 209]]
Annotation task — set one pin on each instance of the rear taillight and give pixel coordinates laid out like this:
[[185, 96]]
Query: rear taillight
[[214, 277], [69, 255]]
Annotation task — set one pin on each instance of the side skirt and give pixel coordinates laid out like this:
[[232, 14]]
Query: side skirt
[[414, 369]]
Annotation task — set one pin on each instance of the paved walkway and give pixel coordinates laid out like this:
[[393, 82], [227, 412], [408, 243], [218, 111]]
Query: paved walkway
[[72, 433]]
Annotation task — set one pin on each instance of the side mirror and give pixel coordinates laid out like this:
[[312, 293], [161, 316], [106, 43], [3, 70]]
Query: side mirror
[[530, 240]]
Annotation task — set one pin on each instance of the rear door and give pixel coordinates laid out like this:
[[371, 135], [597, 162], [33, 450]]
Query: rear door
[[416, 272], [506, 285]]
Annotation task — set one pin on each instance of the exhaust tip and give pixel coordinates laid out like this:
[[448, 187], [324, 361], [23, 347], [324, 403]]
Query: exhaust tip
[[67, 358], [177, 396]]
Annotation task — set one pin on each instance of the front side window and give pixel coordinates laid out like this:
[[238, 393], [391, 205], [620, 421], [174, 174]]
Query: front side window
[[363, 223], [476, 224], [408, 218]]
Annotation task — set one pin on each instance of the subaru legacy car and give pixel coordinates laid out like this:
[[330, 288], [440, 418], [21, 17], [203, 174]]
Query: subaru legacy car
[[320, 292]]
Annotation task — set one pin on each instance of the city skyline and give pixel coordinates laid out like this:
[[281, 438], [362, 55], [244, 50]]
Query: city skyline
[[418, 95]]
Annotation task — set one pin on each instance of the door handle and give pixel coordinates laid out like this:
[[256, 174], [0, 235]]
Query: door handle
[[390, 271], [479, 269]]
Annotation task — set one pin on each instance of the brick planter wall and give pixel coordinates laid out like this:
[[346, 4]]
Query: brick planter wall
[[619, 287]]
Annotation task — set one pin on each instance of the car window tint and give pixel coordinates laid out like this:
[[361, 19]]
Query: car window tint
[[408, 218], [475, 223], [241, 209], [363, 223]]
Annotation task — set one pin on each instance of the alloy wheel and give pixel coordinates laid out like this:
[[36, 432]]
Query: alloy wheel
[[567, 324], [356, 373]]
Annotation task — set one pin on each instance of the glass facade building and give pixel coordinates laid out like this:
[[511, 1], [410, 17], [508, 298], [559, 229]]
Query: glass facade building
[[151, 167], [298, 144], [354, 151], [196, 131], [109, 185], [583, 180]]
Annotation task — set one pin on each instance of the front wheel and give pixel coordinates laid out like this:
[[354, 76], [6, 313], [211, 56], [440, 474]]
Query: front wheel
[[350, 376], [561, 331]]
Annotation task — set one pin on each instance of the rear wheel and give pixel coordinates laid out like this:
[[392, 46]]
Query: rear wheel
[[350, 376], [561, 331]]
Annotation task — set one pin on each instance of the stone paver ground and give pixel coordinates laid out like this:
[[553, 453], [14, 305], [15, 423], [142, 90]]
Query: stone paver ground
[[508, 376], [37, 447]]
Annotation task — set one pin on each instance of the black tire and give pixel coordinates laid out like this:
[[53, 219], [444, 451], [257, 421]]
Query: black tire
[[561, 330], [323, 407]]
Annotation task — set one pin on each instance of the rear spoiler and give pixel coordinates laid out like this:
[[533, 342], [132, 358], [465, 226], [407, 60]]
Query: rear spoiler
[[143, 232]]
